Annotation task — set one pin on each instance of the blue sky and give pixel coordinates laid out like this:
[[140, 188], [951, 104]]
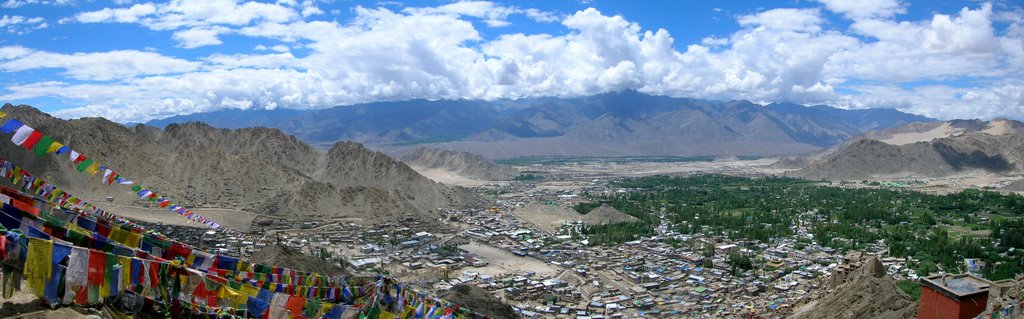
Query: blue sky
[[137, 60]]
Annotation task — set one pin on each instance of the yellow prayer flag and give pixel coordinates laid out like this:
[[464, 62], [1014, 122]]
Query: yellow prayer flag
[[132, 239], [38, 264], [386, 315], [2, 115], [93, 169], [81, 231], [54, 147], [250, 291], [126, 271], [407, 312], [230, 294]]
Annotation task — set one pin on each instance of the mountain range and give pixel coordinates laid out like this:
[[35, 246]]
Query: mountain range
[[257, 170], [925, 149], [613, 124]]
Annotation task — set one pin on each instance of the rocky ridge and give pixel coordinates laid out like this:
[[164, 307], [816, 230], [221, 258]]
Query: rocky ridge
[[924, 149], [257, 170]]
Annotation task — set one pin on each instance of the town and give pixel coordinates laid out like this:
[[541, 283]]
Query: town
[[552, 270]]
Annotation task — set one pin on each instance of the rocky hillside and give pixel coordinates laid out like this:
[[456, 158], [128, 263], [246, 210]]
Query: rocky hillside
[[869, 293], [460, 163], [257, 170], [625, 123], [279, 254], [931, 149], [480, 301], [926, 132]]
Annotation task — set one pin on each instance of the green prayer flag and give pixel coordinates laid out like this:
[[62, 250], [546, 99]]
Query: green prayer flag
[[374, 312], [84, 164], [77, 238], [136, 188], [109, 278], [312, 308], [43, 145]]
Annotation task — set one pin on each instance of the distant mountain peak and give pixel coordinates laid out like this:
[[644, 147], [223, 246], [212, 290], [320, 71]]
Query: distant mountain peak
[[620, 123]]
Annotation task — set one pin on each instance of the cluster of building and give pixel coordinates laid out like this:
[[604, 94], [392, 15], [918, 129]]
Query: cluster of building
[[651, 276], [666, 275]]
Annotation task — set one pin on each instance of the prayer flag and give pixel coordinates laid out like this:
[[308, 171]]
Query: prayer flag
[[82, 166], [11, 126], [54, 147], [76, 157], [43, 146], [32, 139], [92, 169], [22, 134], [257, 307], [38, 264]]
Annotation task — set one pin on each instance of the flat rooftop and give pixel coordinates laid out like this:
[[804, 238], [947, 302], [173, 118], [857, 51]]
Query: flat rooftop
[[957, 285]]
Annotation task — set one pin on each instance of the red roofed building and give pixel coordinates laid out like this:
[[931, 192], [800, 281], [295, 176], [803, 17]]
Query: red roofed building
[[952, 297]]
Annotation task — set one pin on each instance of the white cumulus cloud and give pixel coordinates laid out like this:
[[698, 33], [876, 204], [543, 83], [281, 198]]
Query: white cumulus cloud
[[306, 60], [858, 9]]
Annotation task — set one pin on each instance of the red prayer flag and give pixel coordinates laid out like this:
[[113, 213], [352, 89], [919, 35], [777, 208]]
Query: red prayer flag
[[32, 140], [97, 267], [295, 304], [154, 274]]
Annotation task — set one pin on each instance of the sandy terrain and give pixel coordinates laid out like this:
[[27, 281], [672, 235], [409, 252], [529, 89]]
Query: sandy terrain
[[448, 177], [547, 218], [567, 146], [944, 130], [995, 127], [598, 169], [504, 262], [999, 127], [229, 218]]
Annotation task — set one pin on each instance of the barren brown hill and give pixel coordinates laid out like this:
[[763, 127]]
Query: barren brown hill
[[256, 170], [606, 215], [549, 218], [278, 254], [928, 149], [461, 163]]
